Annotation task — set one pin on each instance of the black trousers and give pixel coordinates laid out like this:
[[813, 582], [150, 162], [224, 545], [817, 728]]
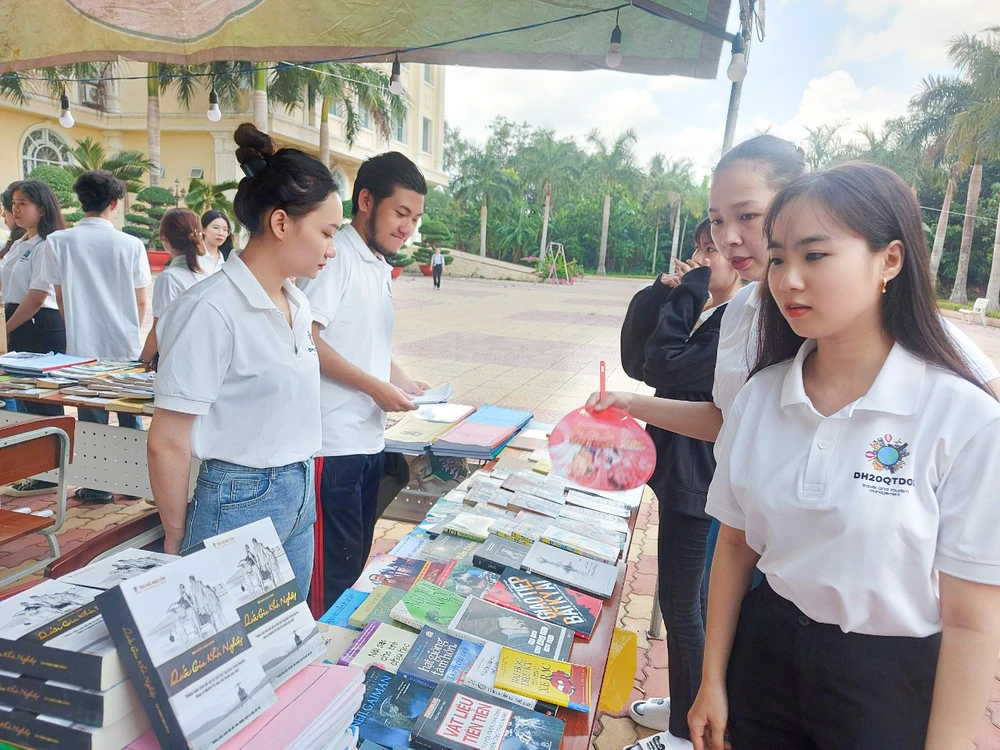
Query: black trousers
[[796, 684], [45, 332], [681, 555], [436, 270], [349, 499]]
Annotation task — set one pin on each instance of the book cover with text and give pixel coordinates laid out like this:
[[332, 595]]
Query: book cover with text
[[546, 600], [543, 679]]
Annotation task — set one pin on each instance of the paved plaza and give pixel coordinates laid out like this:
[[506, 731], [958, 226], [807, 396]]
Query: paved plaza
[[535, 347]]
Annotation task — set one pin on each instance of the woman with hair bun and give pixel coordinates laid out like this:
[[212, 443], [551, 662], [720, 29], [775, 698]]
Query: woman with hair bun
[[242, 337], [180, 233]]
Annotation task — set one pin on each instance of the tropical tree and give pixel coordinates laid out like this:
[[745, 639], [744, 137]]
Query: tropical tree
[[671, 183], [824, 145], [548, 162], [614, 164], [484, 178], [208, 196], [128, 166], [161, 77]]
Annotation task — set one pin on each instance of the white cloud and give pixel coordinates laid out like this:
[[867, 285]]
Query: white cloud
[[919, 29], [837, 98]]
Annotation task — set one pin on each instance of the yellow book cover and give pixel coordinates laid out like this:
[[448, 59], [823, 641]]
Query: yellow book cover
[[548, 680], [412, 430]]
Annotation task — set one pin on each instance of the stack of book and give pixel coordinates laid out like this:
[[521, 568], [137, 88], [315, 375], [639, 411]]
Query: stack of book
[[414, 432], [36, 365], [482, 435]]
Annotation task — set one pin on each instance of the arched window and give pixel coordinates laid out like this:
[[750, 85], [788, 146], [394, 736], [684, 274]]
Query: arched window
[[44, 147]]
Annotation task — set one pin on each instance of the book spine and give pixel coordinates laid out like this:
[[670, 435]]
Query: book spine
[[24, 730], [39, 697], [467, 534], [581, 551], [140, 669], [37, 660], [359, 643], [487, 564]]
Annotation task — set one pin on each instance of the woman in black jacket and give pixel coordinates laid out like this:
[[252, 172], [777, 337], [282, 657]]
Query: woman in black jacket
[[669, 341]]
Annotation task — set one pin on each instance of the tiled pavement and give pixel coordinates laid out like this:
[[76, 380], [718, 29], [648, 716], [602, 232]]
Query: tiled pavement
[[536, 347]]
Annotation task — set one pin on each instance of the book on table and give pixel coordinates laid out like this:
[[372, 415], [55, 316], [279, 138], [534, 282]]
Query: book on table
[[336, 639], [437, 656], [187, 652], [483, 676], [458, 717], [480, 622], [30, 363], [23, 729], [411, 545], [482, 434], [549, 680], [497, 554], [266, 594], [376, 607], [379, 644], [581, 544], [470, 525], [469, 580], [117, 568], [427, 605], [577, 572], [400, 572], [68, 702], [340, 611], [448, 547], [390, 708], [55, 631], [546, 600], [412, 435]]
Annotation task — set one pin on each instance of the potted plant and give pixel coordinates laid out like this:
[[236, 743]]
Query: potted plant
[[433, 234], [399, 261], [144, 222]]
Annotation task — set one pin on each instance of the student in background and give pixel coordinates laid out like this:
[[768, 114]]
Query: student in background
[[669, 341], [180, 233], [218, 234], [870, 507], [238, 380], [101, 278], [14, 232], [437, 267], [354, 320]]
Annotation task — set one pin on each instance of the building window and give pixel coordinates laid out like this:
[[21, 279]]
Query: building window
[[364, 117], [44, 148], [401, 130], [428, 74], [337, 109], [428, 137]]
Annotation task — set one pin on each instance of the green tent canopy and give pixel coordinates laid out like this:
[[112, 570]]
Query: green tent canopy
[[678, 37]]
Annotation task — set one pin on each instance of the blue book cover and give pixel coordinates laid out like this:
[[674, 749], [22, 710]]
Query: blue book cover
[[343, 608], [498, 416], [390, 707], [437, 656]]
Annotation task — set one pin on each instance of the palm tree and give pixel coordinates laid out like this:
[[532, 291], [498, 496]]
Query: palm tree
[[207, 196], [128, 166], [160, 78], [484, 178], [548, 162], [672, 182], [824, 146], [615, 164]]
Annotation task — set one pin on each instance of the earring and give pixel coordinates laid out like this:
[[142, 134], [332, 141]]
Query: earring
[[885, 285]]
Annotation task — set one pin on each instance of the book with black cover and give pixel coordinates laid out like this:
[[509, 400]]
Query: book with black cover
[[462, 718], [55, 631], [546, 600], [480, 621], [497, 554], [187, 652], [24, 729], [390, 707], [64, 701]]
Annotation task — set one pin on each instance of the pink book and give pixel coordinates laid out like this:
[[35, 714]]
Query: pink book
[[471, 433], [318, 689]]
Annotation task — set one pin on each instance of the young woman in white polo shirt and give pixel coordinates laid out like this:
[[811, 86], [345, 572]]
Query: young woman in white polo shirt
[[870, 507], [180, 233], [238, 378]]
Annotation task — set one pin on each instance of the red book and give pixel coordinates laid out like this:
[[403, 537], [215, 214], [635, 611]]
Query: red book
[[542, 599]]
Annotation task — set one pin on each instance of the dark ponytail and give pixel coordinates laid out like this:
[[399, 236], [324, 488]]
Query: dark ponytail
[[874, 203], [782, 160], [288, 179], [181, 228]]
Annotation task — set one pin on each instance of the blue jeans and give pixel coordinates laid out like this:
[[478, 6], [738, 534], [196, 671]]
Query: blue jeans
[[99, 416], [349, 497], [229, 496]]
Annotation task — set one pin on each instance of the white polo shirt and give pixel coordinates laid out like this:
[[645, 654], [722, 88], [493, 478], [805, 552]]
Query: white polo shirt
[[99, 269], [228, 356], [172, 282], [19, 267], [738, 338], [854, 514], [209, 265], [352, 300]]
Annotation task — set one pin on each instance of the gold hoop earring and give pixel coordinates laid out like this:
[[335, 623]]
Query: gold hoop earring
[[885, 285]]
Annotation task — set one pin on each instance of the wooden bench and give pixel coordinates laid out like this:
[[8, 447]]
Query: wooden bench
[[26, 449]]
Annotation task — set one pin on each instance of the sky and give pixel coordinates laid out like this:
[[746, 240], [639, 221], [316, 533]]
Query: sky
[[856, 62]]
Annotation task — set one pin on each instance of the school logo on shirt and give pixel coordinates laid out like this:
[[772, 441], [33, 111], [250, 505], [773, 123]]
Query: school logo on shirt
[[312, 344], [887, 454]]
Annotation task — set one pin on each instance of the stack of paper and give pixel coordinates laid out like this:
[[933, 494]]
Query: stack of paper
[[28, 363], [483, 435]]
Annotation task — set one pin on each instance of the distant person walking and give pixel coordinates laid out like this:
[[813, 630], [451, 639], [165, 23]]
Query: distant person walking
[[437, 267]]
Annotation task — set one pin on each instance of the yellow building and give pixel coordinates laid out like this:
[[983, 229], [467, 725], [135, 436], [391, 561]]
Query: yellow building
[[114, 114]]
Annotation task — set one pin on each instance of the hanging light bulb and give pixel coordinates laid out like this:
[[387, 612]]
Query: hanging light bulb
[[214, 113], [395, 80], [737, 69], [66, 116], [614, 57]]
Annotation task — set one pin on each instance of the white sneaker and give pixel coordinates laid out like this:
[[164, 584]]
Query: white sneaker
[[652, 713], [661, 741]]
